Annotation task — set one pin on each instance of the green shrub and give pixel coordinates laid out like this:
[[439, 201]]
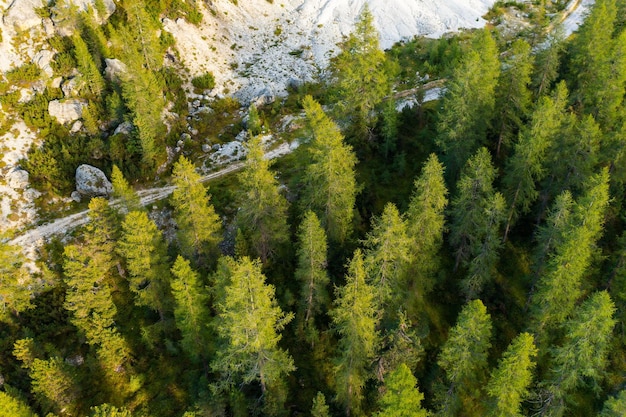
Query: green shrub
[[24, 75], [203, 82]]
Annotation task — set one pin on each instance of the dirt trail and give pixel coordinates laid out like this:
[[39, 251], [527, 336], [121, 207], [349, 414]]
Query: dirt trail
[[30, 239]]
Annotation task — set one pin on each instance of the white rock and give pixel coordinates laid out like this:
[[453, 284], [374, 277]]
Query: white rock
[[124, 128], [21, 15], [91, 181], [114, 68], [241, 136], [76, 126], [43, 59], [26, 95], [76, 196], [56, 83], [17, 179], [72, 87], [206, 147], [66, 111]]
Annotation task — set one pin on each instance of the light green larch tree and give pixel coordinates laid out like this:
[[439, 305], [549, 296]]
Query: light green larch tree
[[199, 227], [330, 189], [400, 397], [354, 318], [615, 406], [128, 198], [510, 381]]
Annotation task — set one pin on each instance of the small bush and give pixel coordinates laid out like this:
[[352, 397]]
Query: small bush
[[203, 82], [24, 75]]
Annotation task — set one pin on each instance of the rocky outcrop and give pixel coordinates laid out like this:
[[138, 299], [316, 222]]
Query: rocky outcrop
[[114, 68], [43, 59], [21, 15], [66, 111], [17, 179], [91, 182]]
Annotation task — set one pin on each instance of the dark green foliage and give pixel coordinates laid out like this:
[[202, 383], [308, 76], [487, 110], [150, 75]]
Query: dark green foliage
[[203, 82]]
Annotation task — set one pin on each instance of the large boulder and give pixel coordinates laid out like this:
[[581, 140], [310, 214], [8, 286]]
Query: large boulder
[[21, 15], [114, 68], [91, 182], [66, 111]]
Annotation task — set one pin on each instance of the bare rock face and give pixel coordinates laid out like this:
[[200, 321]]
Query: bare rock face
[[114, 68], [21, 15], [91, 182], [43, 60], [66, 111], [17, 179]]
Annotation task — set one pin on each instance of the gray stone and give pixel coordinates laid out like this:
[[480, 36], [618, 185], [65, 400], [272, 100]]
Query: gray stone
[[76, 126], [124, 128], [76, 196], [91, 181], [21, 15], [241, 136], [66, 111], [43, 60], [17, 179], [71, 87], [56, 83], [185, 136], [114, 68], [266, 97], [206, 147]]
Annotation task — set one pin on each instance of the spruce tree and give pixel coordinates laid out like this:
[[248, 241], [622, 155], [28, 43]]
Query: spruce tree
[[547, 61], [468, 105], [94, 81], [513, 97], [249, 325], [330, 189], [311, 273], [477, 213], [361, 74], [400, 397], [527, 167], [582, 356], [463, 357], [191, 310], [144, 250], [615, 406], [262, 215], [509, 383], [319, 408], [129, 200], [199, 227], [426, 224], [354, 318]]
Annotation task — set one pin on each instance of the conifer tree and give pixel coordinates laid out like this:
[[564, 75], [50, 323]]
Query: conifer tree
[[262, 215], [143, 29], [463, 357], [582, 356], [509, 383], [615, 406], [560, 285], [54, 385], [199, 227], [145, 252], [387, 256], [513, 97], [311, 273], [426, 224], [14, 407], [468, 105], [15, 294], [361, 74], [526, 168], [94, 81], [319, 408], [191, 309], [108, 410], [249, 325], [401, 398], [477, 213], [547, 61], [330, 189], [355, 320], [129, 200]]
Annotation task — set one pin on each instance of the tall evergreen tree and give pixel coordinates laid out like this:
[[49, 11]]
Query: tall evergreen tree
[[513, 97], [311, 273], [560, 285], [354, 319], [330, 189], [426, 224], [108, 410], [15, 294], [145, 252], [129, 200], [14, 407], [191, 310], [142, 29], [54, 385], [199, 226], [468, 105], [582, 356], [361, 74], [387, 257], [262, 215], [463, 357], [249, 326], [547, 62], [527, 167], [615, 406], [509, 383], [477, 213], [320, 408], [401, 398], [94, 82]]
